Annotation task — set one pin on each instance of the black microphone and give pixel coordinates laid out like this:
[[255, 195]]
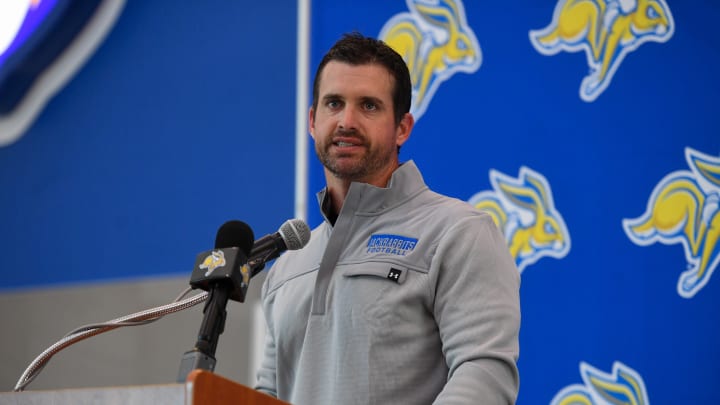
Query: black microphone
[[235, 234], [222, 272], [226, 264], [294, 234]]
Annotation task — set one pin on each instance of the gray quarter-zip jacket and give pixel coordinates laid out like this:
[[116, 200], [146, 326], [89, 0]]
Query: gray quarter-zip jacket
[[410, 298]]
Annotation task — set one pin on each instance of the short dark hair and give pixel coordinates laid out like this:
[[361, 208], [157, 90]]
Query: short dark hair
[[356, 49]]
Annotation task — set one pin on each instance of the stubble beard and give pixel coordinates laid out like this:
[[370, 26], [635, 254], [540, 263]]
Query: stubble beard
[[353, 167]]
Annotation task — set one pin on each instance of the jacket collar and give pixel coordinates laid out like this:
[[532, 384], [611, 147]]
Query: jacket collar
[[405, 182]]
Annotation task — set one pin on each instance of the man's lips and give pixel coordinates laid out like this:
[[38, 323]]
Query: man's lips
[[346, 143]]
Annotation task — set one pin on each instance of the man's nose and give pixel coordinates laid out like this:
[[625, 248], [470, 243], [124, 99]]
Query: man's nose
[[348, 119]]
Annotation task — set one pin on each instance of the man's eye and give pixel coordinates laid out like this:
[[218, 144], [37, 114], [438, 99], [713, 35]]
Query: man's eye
[[333, 104], [370, 106]]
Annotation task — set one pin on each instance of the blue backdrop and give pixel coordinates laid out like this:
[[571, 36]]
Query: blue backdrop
[[598, 155], [183, 119], [597, 151]]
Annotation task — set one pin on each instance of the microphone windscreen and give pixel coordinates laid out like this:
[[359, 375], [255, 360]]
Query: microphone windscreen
[[295, 233], [235, 234]]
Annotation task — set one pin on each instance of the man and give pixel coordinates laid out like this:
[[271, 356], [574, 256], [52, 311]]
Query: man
[[402, 296]]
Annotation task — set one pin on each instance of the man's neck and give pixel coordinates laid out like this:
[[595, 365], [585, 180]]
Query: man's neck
[[336, 192]]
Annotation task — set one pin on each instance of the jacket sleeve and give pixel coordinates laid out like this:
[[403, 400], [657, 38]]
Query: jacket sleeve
[[477, 308], [267, 373]]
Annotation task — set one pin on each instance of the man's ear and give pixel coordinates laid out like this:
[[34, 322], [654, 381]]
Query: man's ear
[[311, 122], [404, 129]]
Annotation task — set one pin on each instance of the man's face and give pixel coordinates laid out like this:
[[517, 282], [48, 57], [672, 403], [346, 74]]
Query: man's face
[[356, 138]]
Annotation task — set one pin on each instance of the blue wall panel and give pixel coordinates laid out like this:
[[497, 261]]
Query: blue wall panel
[[183, 119]]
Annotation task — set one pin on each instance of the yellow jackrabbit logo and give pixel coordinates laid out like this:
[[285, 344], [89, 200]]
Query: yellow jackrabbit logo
[[606, 31], [435, 42], [623, 386], [684, 208], [524, 210]]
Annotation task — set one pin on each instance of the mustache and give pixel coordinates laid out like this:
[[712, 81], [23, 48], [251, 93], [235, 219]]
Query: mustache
[[348, 133], [352, 132]]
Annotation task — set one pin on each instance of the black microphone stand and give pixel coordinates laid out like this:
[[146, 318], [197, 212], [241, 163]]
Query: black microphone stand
[[230, 282], [202, 356]]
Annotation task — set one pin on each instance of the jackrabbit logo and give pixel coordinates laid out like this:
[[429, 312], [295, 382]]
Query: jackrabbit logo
[[523, 209], [623, 386], [436, 42], [683, 208], [606, 31]]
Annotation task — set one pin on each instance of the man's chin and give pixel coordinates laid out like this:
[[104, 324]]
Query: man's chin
[[347, 170]]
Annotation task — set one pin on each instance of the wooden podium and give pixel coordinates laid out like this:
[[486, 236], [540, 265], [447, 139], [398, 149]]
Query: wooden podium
[[202, 388]]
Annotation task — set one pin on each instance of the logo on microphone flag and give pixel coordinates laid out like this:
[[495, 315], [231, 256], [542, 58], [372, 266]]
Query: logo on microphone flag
[[245, 272], [213, 261]]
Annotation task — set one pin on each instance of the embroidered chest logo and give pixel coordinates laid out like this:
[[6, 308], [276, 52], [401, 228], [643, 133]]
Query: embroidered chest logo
[[394, 275], [391, 244]]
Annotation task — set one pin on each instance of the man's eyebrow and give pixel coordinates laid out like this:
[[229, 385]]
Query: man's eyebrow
[[372, 99], [331, 96], [364, 99]]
